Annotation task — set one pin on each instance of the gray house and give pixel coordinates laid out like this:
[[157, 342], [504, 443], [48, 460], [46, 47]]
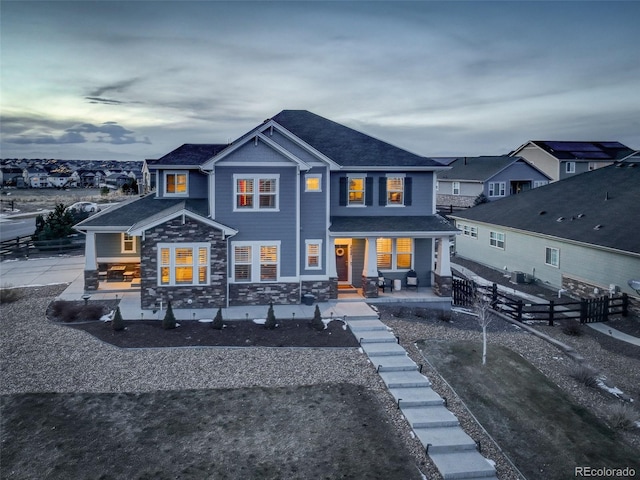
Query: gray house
[[581, 234], [299, 204], [494, 177]]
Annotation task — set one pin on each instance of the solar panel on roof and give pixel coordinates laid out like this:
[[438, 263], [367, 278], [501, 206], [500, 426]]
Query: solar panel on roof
[[611, 145], [573, 146], [594, 155]]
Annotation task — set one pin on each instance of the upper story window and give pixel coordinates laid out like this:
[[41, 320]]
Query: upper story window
[[356, 190], [127, 244], [256, 192], [552, 256], [176, 183], [496, 239], [183, 264], [395, 190], [469, 231], [570, 167], [455, 188], [313, 183], [497, 189], [540, 183]]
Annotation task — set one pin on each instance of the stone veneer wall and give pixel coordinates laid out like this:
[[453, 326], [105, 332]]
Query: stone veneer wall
[[321, 289], [264, 293], [202, 296], [91, 280], [582, 289], [442, 286], [455, 200], [370, 287]]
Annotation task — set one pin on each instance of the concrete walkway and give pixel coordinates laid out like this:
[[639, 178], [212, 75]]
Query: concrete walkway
[[453, 452]]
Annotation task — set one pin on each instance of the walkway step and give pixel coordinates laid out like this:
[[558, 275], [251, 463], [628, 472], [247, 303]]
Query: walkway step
[[376, 337], [463, 465], [393, 363], [377, 349], [367, 325], [430, 417], [416, 397], [404, 379], [445, 439]]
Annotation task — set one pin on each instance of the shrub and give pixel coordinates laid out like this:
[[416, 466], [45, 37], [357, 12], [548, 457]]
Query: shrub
[[271, 318], [444, 315], [218, 324], [58, 224], [117, 323], [623, 416], [169, 320], [585, 375], [317, 322], [8, 294], [572, 328], [91, 312]]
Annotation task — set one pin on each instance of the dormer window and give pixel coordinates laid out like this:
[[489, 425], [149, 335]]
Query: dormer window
[[176, 184]]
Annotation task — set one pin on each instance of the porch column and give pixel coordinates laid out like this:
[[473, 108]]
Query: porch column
[[442, 275], [332, 269], [90, 264], [370, 269]]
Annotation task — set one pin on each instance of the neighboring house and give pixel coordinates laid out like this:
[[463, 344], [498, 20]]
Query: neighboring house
[[495, 177], [300, 204], [11, 177], [36, 177], [581, 234], [60, 180], [116, 180], [561, 160], [87, 178]]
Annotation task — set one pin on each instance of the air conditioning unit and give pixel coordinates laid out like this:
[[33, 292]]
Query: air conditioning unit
[[517, 277]]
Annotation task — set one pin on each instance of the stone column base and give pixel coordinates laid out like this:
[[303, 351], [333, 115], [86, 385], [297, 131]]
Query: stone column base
[[370, 287], [90, 280], [333, 288], [442, 286]]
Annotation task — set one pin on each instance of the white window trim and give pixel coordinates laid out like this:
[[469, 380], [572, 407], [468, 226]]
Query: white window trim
[[453, 188], [403, 191], [470, 231], [123, 249], [172, 265], [256, 177], [540, 183], [493, 237], [570, 167], [502, 189], [394, 256], [557, 250], [176, 172], [255, 260], [313, 175], [364, 191], [306, 256]]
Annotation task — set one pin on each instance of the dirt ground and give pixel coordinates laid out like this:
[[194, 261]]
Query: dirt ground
[[33, 200], [320, 431]]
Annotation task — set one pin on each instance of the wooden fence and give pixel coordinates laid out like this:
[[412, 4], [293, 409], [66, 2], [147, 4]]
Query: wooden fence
[[25, 246], [586, 310]]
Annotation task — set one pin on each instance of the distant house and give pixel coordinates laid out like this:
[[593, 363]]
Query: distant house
[[495, 177], [60, 179], [116, 180], [11, 177], [581, 234], [563, 159], [35, 177]]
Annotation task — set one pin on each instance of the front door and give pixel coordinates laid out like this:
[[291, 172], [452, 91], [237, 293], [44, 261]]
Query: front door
[[342, 262]]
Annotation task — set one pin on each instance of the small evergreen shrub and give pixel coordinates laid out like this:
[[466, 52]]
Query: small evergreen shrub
[[623, 416], [218, 324], [317, 322], [585, 375], [117, 324], [169, 320], [270, 323], [91, 312], [572, 328], [8, 294]]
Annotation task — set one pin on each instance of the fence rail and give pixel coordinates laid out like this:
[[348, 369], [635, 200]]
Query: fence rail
[[25, 246], [586, 310]]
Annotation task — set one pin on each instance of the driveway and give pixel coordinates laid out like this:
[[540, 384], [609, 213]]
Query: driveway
[[41, 271]]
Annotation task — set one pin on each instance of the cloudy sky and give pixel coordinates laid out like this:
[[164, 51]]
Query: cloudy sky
[[136, 79]]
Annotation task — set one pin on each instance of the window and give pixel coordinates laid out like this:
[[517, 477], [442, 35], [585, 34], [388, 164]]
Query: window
[[570, 167], [539, 183], [127, 244], [395, 190], [254, 192], [313, 183], [254, 262], [182, 264], [356, 190], [175, 183], [470, 231], [394, 253], [497, 189], [496, 239], [455, 188], [314, 254], [552, 257]]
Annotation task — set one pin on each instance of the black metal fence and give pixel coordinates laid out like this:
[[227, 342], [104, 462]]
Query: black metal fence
[[586, 310]]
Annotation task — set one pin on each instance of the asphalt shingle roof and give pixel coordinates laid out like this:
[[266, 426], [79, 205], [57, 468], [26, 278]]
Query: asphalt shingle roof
[[189, 154], [601, 207], [346, 146], [379, 225], [477, 168]]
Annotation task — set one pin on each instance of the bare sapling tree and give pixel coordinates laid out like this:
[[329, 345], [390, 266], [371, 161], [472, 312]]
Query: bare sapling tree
[[482, 309]]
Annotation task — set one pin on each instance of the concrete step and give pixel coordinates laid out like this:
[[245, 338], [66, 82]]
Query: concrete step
[[377, 349], [367, 325], [445, 439], [431, 416], [393, 363], [416, 397], [368, 336], [404, 379], [463, 465]]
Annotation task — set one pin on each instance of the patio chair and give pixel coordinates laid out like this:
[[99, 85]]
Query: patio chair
[[411, 280], [384, 283]]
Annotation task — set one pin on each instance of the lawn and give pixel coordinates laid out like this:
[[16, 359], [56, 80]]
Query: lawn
[[539, 427], [321, 431]]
